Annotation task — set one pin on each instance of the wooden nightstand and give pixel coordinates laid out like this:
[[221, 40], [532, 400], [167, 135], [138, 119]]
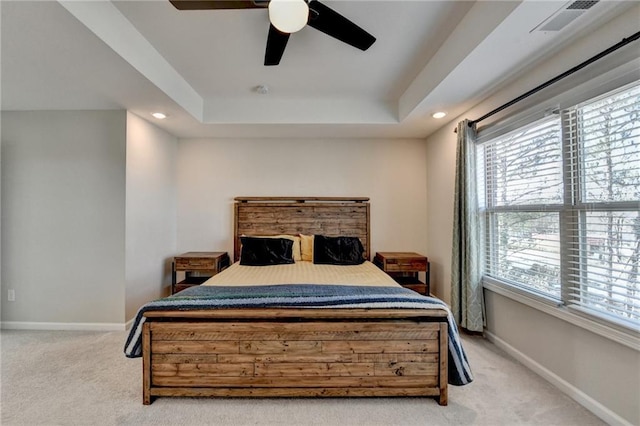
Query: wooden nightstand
[[198, 266], [404, 267]]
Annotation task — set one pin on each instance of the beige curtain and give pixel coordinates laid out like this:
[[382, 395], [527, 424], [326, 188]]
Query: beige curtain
[[466, 270]]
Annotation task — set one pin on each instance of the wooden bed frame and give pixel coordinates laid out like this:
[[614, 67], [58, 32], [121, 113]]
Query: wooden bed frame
[[296, 352]]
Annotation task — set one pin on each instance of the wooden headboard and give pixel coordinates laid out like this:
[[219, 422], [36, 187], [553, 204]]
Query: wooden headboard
[[331, 216]]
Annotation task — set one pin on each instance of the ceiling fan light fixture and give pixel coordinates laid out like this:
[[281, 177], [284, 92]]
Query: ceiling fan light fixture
[[288, 16]]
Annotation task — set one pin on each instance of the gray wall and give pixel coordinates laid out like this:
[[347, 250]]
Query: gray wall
[[151, 212], [211, 172], [63, 216], [89, 202], [601, 374]]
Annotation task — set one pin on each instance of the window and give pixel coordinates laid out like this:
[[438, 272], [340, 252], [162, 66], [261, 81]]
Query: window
[[560, 199]]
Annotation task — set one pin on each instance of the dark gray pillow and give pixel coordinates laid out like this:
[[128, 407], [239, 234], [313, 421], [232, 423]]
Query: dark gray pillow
[[258, 251], [337, 250]]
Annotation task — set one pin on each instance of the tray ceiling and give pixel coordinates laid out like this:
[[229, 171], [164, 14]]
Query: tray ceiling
[[202, 67]]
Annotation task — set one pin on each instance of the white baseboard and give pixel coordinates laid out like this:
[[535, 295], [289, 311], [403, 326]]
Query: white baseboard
[[570, 390], [68, 326]]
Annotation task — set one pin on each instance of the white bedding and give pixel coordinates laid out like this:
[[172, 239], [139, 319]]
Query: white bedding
[[365, 274]]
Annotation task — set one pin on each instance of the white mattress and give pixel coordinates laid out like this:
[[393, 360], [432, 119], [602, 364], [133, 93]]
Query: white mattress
[[366, 274]]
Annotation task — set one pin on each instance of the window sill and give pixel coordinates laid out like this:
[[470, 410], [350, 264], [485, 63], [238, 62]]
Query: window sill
[[625, 337]]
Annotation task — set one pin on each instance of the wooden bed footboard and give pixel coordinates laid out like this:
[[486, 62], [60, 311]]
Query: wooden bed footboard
[[295, 352]]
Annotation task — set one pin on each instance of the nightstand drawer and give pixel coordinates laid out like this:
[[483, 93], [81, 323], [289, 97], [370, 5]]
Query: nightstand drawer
[[408, 265], [190, 263]]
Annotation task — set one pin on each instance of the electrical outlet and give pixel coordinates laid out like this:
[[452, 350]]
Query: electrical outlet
[[11, 295]]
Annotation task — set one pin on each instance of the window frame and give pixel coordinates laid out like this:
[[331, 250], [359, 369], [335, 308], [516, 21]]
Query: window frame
[[570, 210], [489, 208]]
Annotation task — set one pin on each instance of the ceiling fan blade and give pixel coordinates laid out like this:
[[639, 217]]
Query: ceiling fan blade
[[218, 4], [276, 42], [330, 22]]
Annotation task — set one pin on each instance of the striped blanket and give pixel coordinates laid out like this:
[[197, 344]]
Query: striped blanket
[[308, 296]]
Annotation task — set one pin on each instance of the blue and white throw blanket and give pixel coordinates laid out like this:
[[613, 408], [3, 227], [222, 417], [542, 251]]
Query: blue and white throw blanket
[[307, 296]]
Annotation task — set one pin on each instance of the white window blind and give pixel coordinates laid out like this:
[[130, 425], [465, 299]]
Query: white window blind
[[525, 167], [603, 261], [561, 204], [523, 195]]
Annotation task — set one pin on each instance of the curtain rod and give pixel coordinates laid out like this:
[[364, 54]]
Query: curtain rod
[[589, 61]]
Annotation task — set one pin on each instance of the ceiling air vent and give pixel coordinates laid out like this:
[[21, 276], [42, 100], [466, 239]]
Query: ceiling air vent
[[565, 15]]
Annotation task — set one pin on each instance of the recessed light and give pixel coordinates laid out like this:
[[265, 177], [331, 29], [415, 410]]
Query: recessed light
[[159, 115], [439, 114]]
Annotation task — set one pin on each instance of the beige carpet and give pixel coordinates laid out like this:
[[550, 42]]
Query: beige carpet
[[83, 378]]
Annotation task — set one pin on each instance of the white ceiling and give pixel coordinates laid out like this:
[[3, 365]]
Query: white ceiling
[[202, 67]]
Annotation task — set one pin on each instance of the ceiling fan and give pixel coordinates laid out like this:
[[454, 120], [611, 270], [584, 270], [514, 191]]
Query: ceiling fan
[[289, 16]]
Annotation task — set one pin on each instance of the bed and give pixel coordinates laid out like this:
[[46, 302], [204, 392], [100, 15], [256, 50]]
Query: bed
[[353, 332]]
